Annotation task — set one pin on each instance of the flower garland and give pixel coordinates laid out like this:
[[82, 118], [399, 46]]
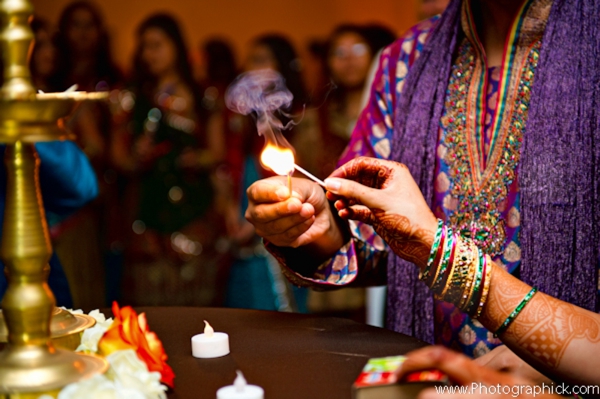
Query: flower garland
[[136, 357]]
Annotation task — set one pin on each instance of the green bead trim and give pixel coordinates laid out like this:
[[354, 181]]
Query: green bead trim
[[515, 312]]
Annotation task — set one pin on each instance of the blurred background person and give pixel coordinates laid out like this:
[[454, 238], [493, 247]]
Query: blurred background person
[[83, 58], [254, 279], [349, 56], [42, 63], [219, 69], [171, 259]]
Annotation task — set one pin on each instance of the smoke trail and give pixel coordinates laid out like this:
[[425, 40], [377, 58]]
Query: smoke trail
[[264, 93]]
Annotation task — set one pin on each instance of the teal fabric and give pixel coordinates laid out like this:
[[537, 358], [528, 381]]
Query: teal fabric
[[250, 284]]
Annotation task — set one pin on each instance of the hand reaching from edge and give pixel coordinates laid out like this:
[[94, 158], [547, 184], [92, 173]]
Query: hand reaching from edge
[[479, 381]]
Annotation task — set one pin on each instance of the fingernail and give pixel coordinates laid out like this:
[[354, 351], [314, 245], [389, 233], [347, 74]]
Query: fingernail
[[282, 193], [332, 184]]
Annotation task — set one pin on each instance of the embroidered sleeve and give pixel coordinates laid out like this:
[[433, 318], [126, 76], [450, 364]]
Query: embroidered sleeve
[[362, 260]]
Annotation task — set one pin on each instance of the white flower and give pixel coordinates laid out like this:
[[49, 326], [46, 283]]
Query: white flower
[[127, 378], [91, 336], [127, 370], [99, 387], [90, 339], [100, 318]]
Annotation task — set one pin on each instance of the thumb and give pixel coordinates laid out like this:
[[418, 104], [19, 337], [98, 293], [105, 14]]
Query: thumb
[[353, 191]]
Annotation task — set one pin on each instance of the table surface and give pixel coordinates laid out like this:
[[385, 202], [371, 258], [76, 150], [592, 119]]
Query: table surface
[[289, 355]]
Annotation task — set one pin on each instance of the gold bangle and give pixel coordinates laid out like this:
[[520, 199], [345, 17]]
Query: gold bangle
[[457, 280], [450, 272], [476, 276], [470, 280]]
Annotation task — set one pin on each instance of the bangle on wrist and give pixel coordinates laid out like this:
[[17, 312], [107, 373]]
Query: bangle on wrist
[[458, 272], [487, 277], [515, 312], [441, 276], [437, 240]]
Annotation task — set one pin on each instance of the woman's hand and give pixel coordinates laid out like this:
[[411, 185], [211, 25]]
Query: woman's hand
[[303, 219], [503, 359], [476, 381], [383, 194]]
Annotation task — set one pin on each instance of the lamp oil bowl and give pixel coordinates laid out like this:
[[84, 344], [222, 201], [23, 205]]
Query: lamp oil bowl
[[30, 364], [65, 328]]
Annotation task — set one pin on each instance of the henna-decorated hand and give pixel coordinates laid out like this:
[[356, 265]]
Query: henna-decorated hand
[[468, 374], [384, 195]]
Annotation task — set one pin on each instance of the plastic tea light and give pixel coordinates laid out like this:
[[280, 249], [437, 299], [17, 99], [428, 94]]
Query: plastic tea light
[[210, 344], [240, 390]]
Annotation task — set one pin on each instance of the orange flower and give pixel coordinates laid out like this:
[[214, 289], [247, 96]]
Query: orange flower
[[130, 331]]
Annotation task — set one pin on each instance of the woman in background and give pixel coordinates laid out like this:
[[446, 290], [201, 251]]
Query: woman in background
[[42, 62], [255, 280], [84, 50], [219, 70], [170, 254], [83, 58], [349, 56]]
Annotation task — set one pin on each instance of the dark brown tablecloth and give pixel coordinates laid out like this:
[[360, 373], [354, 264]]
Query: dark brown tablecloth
[[292, 356]]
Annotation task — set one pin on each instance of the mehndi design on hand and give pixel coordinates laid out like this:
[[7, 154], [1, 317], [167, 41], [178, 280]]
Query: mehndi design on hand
[[407, 239]]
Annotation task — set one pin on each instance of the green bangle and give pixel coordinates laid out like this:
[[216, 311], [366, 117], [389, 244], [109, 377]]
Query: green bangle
[[441, 271], [515, 312], [434, 250], [471, 305]]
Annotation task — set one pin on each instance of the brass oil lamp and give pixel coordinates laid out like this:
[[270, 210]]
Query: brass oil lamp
[[30, 364]]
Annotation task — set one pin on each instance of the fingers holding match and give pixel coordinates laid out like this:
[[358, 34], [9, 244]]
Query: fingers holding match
[[349, 192], [291, 237], [269, 212]]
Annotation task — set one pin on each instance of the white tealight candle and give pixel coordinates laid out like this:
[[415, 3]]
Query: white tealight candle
[[240, 390], [210, 344]]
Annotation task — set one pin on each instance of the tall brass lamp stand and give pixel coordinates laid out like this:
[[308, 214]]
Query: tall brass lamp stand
[[29, 364]]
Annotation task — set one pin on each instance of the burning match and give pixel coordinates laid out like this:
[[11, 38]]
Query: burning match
[[264, 92]]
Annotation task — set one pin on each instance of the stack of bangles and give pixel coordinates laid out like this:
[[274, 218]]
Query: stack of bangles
[[458, 272]]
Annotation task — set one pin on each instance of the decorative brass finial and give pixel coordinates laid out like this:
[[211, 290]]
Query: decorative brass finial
[[17, 40]]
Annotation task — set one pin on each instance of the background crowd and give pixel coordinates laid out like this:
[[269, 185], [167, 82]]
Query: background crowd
[[173, 163]]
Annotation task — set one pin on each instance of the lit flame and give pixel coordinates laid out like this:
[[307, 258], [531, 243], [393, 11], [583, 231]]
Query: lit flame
[[279, 160], [240, 382], [208, 330]]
